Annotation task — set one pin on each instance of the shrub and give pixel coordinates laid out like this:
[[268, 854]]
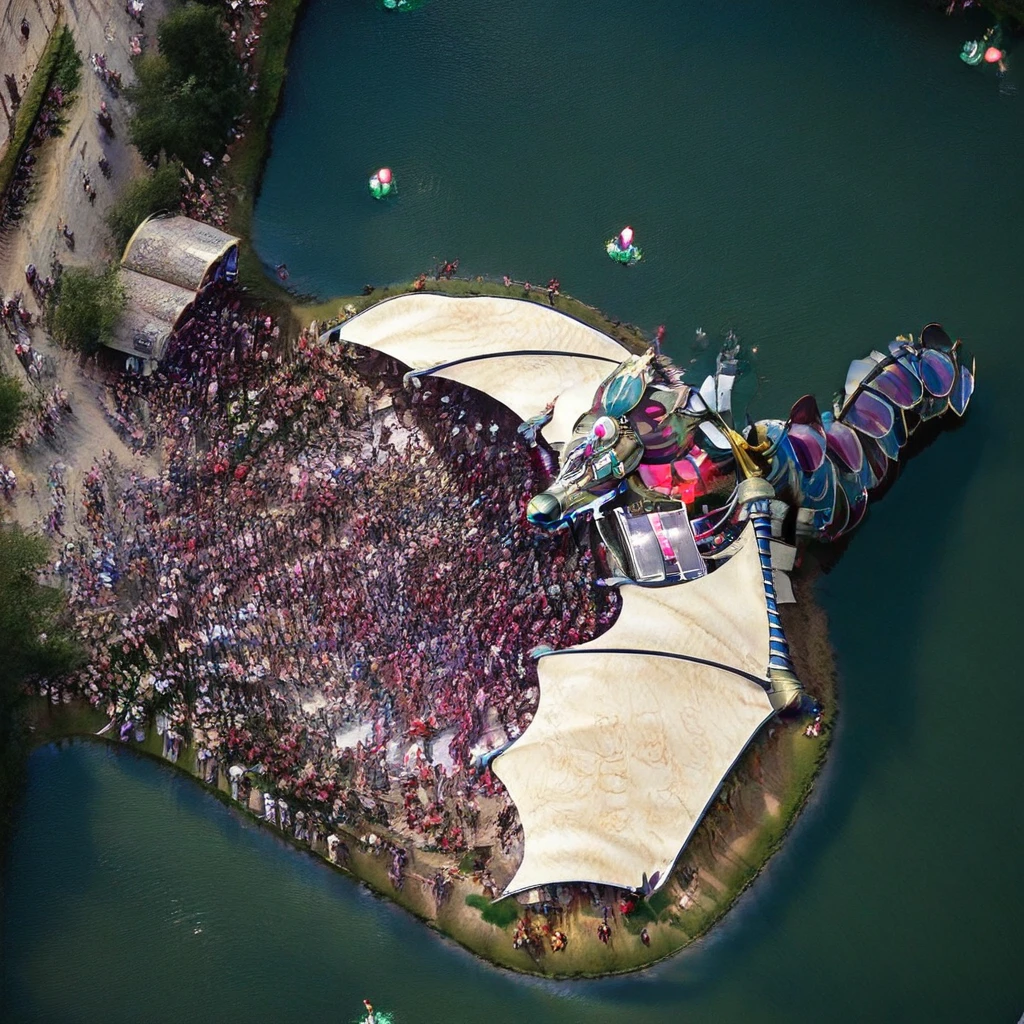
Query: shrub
[[35, 642], [59, 53], [502, 913], [12, 405], [67, 68], [142, 197], [85, 306], [189, 93]]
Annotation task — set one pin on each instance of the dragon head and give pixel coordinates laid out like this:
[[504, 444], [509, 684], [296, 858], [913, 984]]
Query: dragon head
[[596, 461], [637, 416]]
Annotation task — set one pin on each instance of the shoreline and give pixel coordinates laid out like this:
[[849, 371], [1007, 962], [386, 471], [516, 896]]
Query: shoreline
[[739, 840], [728, 853]]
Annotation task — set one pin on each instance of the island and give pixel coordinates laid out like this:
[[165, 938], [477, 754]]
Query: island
[[458, 585]]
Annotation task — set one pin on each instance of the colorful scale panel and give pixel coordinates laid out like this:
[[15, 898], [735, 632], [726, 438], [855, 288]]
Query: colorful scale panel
[[829, 463]]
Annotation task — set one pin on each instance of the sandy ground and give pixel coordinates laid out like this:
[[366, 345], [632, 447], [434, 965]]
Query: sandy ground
[[59, 195], [18, 56]]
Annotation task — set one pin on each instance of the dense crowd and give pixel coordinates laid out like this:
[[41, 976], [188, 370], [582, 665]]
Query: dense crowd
[[332, 580]]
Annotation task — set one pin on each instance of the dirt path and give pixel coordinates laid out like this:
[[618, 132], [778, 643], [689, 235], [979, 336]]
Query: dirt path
[[60, 197], [19, 56]]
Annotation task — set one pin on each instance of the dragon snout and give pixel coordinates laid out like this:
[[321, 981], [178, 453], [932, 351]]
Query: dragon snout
[[544, 509]]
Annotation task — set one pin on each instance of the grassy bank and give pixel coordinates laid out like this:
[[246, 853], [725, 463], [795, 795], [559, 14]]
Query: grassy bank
[[56, 48], [248, 156], [334, 309], [1011, 10]]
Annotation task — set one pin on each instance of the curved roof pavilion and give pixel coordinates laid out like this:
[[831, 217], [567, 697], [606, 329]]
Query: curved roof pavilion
[[166, 263], [177, 249]]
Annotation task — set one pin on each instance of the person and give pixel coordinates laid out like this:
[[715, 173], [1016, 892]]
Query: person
[[282, 271], [25, 29], [644, 937]]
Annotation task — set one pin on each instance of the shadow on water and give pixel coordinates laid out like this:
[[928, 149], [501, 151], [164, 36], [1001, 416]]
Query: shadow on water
[[73, 806]]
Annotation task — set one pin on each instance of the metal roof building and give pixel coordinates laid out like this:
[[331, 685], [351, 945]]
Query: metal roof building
[[168, 261]]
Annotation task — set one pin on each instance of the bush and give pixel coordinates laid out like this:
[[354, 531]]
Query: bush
[[12, 405], [54, 56], [189, 93], [67, 69], [501, 914], [142, 197], [85, 306]]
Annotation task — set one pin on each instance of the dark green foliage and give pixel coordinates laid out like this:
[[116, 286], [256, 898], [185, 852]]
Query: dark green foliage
[[190, 92], [35, 643], [85, 306], [12, 405], [502, 913], [55, 55], [67, 71], [1010, 9], [142, 197]]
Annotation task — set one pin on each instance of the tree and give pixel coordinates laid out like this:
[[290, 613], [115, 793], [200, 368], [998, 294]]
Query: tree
[[188, 94], [142, 197], [36, 643], [85, 306], [12, 405]]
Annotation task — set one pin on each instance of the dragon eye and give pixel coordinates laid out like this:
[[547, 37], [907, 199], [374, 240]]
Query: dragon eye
[[605, 430]]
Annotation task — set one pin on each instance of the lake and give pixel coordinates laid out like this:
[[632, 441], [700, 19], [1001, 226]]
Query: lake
[[816, 176]]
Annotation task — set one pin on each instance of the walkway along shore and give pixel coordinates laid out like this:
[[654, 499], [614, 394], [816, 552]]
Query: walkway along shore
[[758, 803]]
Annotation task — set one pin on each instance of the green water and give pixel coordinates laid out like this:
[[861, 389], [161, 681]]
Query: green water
[[815, 175]]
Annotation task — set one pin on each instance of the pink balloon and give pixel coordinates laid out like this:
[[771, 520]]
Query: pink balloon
[[993, 55], [384, 174], [626, 237]]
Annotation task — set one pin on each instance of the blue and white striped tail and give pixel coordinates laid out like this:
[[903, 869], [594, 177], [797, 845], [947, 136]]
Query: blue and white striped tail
[[785, 687]]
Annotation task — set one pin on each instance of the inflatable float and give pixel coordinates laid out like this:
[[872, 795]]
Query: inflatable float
[[382, 184], [621, 248], [987, 50]]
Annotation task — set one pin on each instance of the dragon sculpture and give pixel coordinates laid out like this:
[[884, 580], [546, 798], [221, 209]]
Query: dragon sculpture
[[810, 477], [698, 523]]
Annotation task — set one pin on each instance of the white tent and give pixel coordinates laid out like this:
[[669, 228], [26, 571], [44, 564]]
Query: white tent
[[636, 729], [521, 353]]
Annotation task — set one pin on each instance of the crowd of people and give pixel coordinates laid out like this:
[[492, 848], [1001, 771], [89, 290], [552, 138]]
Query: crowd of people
[[332, 581]]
